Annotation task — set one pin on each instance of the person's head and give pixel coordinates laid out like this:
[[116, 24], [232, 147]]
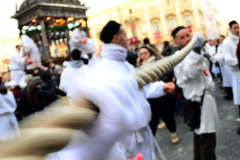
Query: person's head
[[20, 35], [234, 28], [216, 42], [18, 47], [181, 36], [146, 52], [146, 41], [36, 72], [76, 54], [114, 33], [80, 27], [51, 64], [211, 42], [221, 38], [165, 44], [46, 76]]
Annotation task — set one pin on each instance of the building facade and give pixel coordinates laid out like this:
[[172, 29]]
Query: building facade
[[154, 19]]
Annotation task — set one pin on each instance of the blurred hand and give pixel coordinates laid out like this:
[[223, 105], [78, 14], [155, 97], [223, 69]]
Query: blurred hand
[[85, 40], [28, 62], [26, 56], [169, 87], [139, 61]]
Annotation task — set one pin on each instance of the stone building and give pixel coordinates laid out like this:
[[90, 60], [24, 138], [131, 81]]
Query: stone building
[[154, 19]]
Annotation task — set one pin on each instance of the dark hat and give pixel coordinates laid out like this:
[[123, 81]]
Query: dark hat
[[46, 76], [146, 41], [3, 90], [176, 30], [76, 54], [111, 29]]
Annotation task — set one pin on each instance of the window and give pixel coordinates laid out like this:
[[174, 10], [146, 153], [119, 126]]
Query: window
[[156, 27], [188, 20], [172, 24]]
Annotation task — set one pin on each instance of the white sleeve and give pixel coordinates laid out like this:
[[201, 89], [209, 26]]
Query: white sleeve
[[219, 57], [26, 44], [191, 66], [230, 58], [62, 84], [75, 37], [8, 103], [19, 61], [154, 90]]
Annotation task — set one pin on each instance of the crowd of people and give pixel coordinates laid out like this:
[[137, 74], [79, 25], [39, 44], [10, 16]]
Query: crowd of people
[[129, 117]]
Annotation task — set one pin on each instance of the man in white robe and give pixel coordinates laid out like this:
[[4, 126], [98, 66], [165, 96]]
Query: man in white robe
[[230, 54], [8, 123], [122, 125], [17, 62], [225, 69], [194, 78], [75, 68], [30, 48], [80, 41]]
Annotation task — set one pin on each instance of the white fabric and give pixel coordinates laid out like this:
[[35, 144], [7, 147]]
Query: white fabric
[[8, 122], [154, 90], [230, 56], [124, 111], [212, 51], [120, 53], [94, 61], [225, 69], [17, 66], [31, 48], [68, 74], [85, 48], [230, 51], [193, 81], [209, 116], [24, 81]]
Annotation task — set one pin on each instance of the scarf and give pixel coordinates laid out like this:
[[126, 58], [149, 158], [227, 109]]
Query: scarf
[[76, 63], [114, 52], [151, 59], [234, 37]]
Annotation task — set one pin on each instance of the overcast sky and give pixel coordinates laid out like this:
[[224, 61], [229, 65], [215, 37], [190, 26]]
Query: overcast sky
[[228, 10]]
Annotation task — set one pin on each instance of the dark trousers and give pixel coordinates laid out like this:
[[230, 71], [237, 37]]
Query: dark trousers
[[204, 146], [163, 108]]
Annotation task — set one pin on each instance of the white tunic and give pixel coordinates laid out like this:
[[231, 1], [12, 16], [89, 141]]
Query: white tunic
[[17, 66], [230, 50], [85, 48], [31, 48], [70, 73], [8, 123], [124, 115], [212, 51], [193, 81], [225, 69]]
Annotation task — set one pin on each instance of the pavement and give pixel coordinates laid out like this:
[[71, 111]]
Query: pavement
[[228, 142]]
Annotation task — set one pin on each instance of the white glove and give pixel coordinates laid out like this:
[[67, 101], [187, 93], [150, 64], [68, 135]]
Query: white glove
[[200, 41]]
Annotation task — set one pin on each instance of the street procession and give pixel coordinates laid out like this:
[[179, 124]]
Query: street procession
[[120, 80]]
